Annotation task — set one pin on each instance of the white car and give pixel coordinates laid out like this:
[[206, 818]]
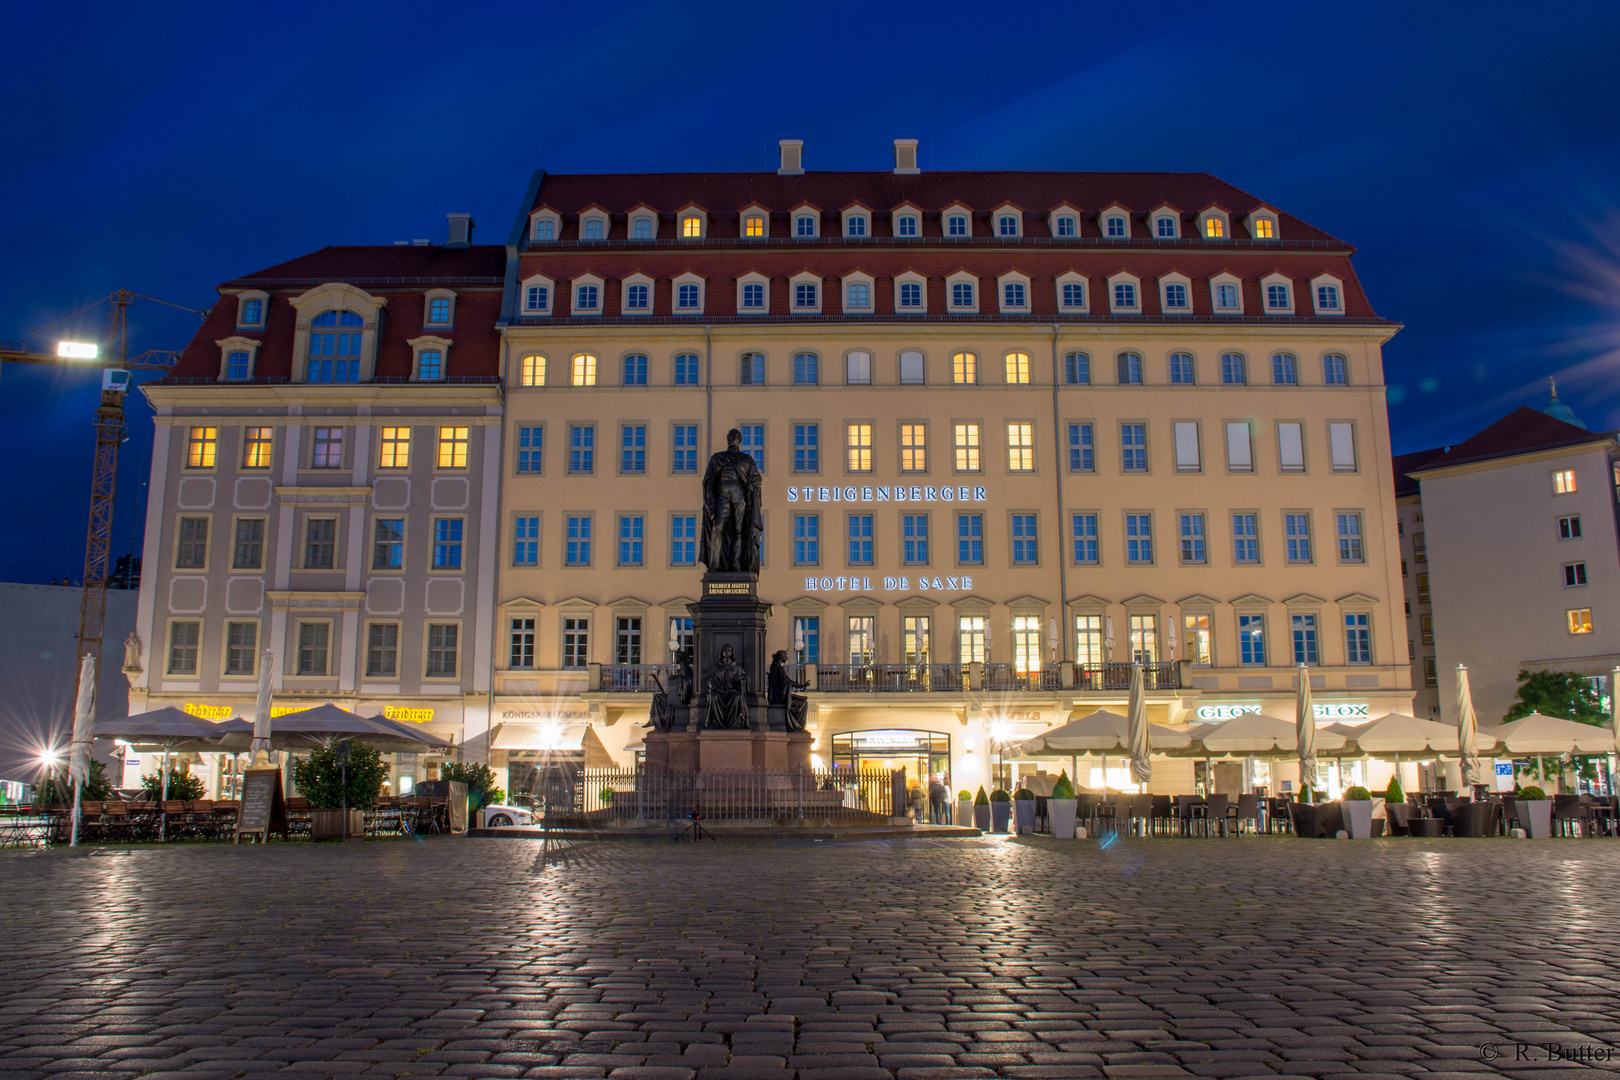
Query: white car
[[500, 815]]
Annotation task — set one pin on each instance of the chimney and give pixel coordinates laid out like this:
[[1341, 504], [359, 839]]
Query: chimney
[[461, 227], [792, 158], [905, 157]]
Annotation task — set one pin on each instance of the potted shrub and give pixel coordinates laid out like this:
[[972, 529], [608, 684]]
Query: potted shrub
[[1000, 810], [1061, 808], [607, 798], [981, 810], [1535, 812], [331, 786], [1024, 810], [964, 807], [1357, 805]]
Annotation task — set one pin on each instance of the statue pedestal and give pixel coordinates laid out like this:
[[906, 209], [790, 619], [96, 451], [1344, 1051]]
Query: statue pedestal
[[731, 613], [726, 750], [706, 751]]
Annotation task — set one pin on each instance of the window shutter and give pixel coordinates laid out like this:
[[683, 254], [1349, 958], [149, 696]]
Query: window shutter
[[1239, 454], [1291, 446], [1341, 438], [1187, 446]]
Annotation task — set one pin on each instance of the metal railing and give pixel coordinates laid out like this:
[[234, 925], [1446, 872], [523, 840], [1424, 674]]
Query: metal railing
[[600, 796], [1008, 677], [635, 678], [925, 678], [890, 678], [1163, 676]]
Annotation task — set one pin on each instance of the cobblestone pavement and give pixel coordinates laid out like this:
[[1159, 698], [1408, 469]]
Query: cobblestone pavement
[[835, 961]]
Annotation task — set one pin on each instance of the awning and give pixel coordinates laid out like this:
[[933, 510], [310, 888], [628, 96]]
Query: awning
[[550, 736]]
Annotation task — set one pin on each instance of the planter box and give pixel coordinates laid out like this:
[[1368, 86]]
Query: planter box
[[1062, 812], [964, 812], [1358, 818], [1000, 812], [981, 817], [1024, 814], [328, 824], [1535, 817]]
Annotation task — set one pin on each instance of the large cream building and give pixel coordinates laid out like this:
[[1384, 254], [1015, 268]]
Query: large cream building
[[1016, 429]]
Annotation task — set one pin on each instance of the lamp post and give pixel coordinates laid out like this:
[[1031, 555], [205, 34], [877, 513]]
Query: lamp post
[[340, 754]]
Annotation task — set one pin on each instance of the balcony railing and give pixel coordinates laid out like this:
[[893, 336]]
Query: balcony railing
[[635, 678], [890, 678], [922, 678]]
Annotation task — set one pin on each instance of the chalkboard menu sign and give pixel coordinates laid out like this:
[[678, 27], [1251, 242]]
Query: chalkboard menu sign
[[263, 809]]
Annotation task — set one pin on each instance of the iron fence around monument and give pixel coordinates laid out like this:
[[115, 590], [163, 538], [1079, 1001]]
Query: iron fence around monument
[[603, 796]]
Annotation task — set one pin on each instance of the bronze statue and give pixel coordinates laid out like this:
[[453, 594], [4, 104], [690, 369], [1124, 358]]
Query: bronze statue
[[779, 691], [679, 692], [727, 693], [732, 527]]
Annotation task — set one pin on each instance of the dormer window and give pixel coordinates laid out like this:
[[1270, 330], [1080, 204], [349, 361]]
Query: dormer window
[[429, 354], [909, 295], [237, 364], [334, 347], [691, 225], [753, 296], [754, 225], [804, 226], [1114, 226], [238, 355], [588, 297], [250, 310], [907, 225], [1071, 290], [856, 225], [545, 226], [637, 295], [962, 291], [806, 296], [537, 296], [441, 308], [1164, 227], [1212, 224], [857, 293], [1014, 293], [1226, 297], [1328, 294], [1264, 230], [1279, 294], [1263, 225], [643, 225], [688, 295], [956, 225], [1007, 225], [594, 229], [1124, 295], [1174, 296], [1068, 225]]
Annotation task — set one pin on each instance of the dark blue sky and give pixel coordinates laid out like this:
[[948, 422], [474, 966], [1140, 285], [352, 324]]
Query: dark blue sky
[[1470, 153]]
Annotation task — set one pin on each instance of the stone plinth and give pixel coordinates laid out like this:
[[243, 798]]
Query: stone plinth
[[731, 613], [726, 750]]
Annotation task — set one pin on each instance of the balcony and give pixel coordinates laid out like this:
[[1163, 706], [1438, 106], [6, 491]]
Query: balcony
[[919, 678]]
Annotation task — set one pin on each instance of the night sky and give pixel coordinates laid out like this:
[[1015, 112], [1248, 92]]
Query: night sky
[[1469, 152]]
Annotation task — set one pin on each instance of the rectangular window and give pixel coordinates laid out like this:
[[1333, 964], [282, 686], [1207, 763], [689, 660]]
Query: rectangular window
[[1574, 574], [753, 443], [523, 643], [1133, 447], [1234, 369], [682, 636], [1192, 538], [1284, 370], [1175, 295], [914, 530], [1580, 620], [1017, 368], [1350, 550], [860, 540], [858, 447], [1334, 370], [1074, 294], [627, 641], [1139, 538], [1026, 644], [688, 297], [529, 449], [1342, 444], [970, 634], [970, 539], [806, 369], [913, 448], [576, 643], [858, 369], [579, 542], [252, 312], [912, 368], [248, 551], [1130, 369], [804, 295], [582, 448], [1357, 638], [859, 295], [862, 640], [394, 448], [1291, 447], [201, 447], [442, 643], [1245, 539], [965, 369], [1297, 528], [447, 543], [683, 540], [1304, 639], [807, 640], [583, 370], [962, 294], [631, 530], [637, 298], [1144, 639], [1239, 447], [635, 370], [807, 540], [1187, 456], [312, 648], [752, 369], [967, 447], [430, 364], [1252, 640], [806, 448], [1423, 588], [1082, 451], [327, 451], [1025, 544], [526, 541], [915, 640], [453, 447], [633, 448], [257, 446], [532, 369], [911, 295], [388, 544], [1020, 447], [1084, 527], [1569, 528], [684, 454], [1431, 676], [1196, 640], [320, 543], [686, 369], [1088, 640], [382, 650], [1182, 372], [1564, 482], [1077, 369], [241, 644]]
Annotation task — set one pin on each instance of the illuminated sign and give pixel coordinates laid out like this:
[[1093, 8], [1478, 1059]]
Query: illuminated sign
[[225, 712], [1330, 711], [866, 494], [890, 584], [414, 716], [1340, 712], [886, 738]]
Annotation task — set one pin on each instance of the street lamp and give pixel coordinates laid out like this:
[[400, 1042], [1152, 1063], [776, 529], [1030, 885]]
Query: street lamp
[[77, 350]]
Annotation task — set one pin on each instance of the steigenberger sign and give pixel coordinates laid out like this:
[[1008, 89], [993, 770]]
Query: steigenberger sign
[[897, 493]]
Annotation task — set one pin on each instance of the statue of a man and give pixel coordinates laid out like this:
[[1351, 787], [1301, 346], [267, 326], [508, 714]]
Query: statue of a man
[[731, 521], [132, 657], [779, 689], [727, 693]]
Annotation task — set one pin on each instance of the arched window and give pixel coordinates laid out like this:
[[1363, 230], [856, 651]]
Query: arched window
[[334, 347]]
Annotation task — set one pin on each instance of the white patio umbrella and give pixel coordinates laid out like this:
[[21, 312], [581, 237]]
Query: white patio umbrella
[[84, 732], [1540, 734], [172, 730], [1473, 773], [1100, 732], [1254, 734], [1140, 747], [1397, 733], [1305, 722]]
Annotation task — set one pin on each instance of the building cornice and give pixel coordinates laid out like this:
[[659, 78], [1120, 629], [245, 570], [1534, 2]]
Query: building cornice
[[1597, 443], [210, 394]]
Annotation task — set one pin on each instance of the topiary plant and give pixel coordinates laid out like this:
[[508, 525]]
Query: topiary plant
[[182, 785], [1063, 789], [1023, 793], [1532, 793], [964, 795], [328, 785], [1393, 793], [981, 799], [1000, 796], [479, 779], [1357, 794]]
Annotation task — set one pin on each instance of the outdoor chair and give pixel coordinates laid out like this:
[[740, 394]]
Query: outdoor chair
[[1278, 816], [1569, 815], [1600, 815], [1475, 819], [1162, 814], [1141, 814], [1306, 820], [1247, 809], [1215, 807], [1085, 813], [1398, 818], [1105, 816], [200, 818], [1184, 805]]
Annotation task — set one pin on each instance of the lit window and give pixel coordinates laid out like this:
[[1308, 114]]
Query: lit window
[[544, 229], [453, 447], [961, 294], [913, 448], [858, 447], [236, 365], [1334, 370], [967, 448], [587, 298], [395, 448], [1563, 481], [327, 452], [754, 225], [1574, 574], [530, 449], [1276, 297], [637, 298], [430, 364], [584, 369], [1115, 226], [538, 298], [856, 226], [753, 295], [965, 369], [1284, 370], [593, 229], [905, 225], [1066, 226], [257, 444], [1264, 229], [1018, 367], [1020, 447], [252, 312], [691, 227], [1214, 228], [1175, 296], [1196, 637], [806, 369], [804, 295], [1125, 295], [1074, 294], [1327, 298], [200, 447], [1133, 447], [688, 297], [532, 371], [1580, 620], [860, 295], [641, 229], [1181, 369], [1226, 297], [804, 225], [1007, 225], [911, 295], [956, 225], [439, 310], [1014, 295], [1139, 538], [1025, 541]]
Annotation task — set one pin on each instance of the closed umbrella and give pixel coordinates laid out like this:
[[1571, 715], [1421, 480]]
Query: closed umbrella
[[1305, 723], [1136, 713], [261, 708], [1473, 774], [84, 730]]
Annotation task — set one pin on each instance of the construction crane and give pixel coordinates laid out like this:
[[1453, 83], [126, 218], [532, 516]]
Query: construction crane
[[116, 381]]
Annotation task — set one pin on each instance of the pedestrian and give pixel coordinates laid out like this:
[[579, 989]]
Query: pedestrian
[[937, 797]]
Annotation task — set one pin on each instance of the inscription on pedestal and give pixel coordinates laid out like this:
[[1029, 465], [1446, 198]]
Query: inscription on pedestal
[[728, 588]]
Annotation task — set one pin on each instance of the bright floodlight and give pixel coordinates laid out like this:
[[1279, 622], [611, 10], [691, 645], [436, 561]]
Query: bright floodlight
[[76, 350]]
